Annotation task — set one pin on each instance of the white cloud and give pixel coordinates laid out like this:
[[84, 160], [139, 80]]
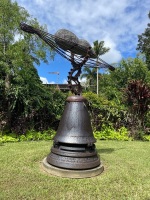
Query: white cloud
[[117, 23], [84, 82], [45, 81], [113, 55], [64, 81], [52, 82]]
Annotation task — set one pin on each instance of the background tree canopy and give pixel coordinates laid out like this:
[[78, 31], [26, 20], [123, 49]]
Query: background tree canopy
[[144, 43], [23, 97], [25, 103]]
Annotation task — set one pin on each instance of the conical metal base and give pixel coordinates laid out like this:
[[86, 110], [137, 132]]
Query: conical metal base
[[74, 146]]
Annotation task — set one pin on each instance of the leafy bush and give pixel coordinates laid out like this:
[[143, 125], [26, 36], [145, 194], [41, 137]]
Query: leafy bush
[[31, 135], [137, 98], [109, 133], [105, 112], [146, 137], [7, 138]]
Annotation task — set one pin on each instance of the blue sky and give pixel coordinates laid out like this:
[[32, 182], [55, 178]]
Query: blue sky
[[116, 22]]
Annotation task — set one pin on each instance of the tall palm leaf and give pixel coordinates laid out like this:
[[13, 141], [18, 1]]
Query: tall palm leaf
[[89, 74], [99, 50]]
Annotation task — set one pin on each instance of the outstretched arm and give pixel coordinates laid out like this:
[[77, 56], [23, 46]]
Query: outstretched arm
[[27, 28]]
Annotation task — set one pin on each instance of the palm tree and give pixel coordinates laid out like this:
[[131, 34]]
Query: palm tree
[[91, 74], [99, 50]]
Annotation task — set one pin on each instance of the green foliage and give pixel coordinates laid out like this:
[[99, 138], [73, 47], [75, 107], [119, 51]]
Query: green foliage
[[108, 117], [104, 112], [99, 48], [25, 102], [146, 138], [108, 88], [137, 98], [143, 43], [31, 135], [90, 75], [58, 99], [8, 138], [113, 85], [147, 119], [109, 133], [127, 70]]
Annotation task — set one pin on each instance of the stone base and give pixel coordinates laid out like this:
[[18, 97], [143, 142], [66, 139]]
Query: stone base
[[68, 173]]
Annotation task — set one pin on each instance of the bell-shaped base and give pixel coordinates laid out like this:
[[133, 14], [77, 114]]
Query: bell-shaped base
[[73, 156], [73, 147]]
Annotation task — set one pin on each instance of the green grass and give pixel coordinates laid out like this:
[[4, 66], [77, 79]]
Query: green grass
[[126, 175]]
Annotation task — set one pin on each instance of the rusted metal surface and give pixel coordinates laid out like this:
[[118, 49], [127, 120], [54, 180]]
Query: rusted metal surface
[[77, 163], [72, 156], [75, 126], [73, 146], [75, 72], [76, 98]]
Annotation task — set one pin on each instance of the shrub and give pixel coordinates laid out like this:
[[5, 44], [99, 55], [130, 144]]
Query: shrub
[[31, 135], [105, 112], [109, 133], [146, 137], [7, 138], [137, 98]]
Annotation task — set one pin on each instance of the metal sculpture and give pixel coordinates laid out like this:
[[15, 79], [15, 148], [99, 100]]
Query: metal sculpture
[[77, 51], [73, 147]]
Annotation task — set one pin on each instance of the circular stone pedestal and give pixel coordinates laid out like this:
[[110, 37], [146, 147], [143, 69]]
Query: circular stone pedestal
[[68, 173]]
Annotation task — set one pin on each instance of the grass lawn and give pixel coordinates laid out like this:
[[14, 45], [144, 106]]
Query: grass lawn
[[126, 175]]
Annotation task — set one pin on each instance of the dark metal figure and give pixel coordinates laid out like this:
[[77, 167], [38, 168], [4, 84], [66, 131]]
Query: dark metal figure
[[78, 52], [73, 146]]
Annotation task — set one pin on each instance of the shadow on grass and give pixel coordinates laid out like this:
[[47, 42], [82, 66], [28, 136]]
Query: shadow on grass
[[107, 150]]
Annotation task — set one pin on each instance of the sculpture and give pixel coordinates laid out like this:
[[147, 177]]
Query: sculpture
[[73, 153], [77, 51]]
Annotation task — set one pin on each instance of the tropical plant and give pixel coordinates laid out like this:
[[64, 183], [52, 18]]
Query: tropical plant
[[143, 43], [137, 98], [109, 133], [92, 74], [129, 69], [21, 90], [105, 112], [99, 48]]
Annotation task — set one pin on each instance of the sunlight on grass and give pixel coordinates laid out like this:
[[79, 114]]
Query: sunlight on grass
[[126, 175]]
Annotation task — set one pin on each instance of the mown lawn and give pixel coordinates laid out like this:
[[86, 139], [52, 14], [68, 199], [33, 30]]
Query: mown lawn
[[126, 175]]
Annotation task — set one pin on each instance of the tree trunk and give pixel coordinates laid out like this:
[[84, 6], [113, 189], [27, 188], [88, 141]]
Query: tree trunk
[[7, 104]]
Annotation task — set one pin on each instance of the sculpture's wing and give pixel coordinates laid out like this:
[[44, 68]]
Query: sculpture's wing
[[65, 42]]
